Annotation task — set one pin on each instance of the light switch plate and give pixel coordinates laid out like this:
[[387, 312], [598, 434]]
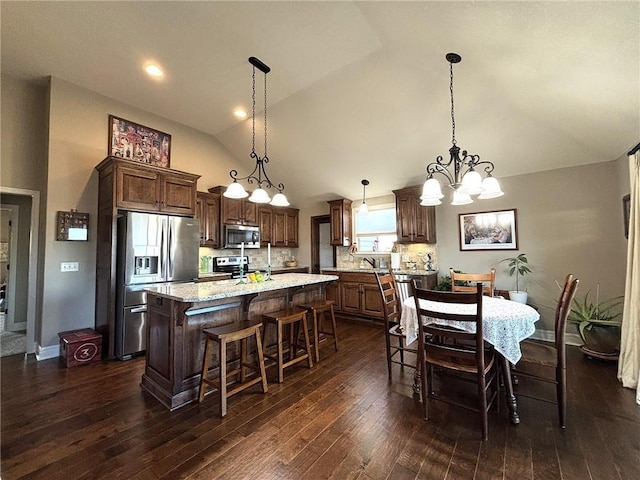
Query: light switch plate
[[69, 266]]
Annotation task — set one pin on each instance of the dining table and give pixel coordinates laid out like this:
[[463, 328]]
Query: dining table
[[505, 324]]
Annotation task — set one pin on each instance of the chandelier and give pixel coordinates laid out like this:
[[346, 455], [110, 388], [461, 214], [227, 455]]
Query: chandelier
[[258, 175], [464, 180]]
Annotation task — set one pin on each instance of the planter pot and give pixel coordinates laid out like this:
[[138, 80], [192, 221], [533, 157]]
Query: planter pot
[[602, 342], [516, 296]]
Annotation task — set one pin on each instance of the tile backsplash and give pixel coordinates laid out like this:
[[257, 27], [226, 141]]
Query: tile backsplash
[[417, 252], [257, 256]]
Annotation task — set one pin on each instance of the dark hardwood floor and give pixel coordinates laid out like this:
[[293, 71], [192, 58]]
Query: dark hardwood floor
[[340, 420]]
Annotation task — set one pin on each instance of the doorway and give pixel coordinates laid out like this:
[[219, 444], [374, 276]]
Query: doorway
[[21, 208], [323, 254]]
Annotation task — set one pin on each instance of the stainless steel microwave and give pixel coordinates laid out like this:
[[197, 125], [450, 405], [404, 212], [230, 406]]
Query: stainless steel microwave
[[235, 235]]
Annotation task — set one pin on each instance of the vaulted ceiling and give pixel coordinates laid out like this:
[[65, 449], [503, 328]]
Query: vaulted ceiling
[[357, 89]]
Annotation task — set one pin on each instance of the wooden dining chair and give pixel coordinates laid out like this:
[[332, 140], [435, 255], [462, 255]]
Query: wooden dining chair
[[392, 309], [455, 351], [539, 358], [469, 280]]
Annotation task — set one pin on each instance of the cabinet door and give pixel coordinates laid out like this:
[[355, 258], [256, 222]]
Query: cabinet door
[[350, 297], [138, 190], [332, 292], [200, 216], [404, 218], [340, 212], [292, 228], [231, 211], [371, 301], [250, 213], [265, 222], [425, 224], [212, 220], [178, 195], [279, 228]]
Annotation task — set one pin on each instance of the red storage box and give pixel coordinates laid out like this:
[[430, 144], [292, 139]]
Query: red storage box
[[78, 347]]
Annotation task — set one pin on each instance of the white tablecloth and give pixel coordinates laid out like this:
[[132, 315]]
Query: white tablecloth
[[505, 323]]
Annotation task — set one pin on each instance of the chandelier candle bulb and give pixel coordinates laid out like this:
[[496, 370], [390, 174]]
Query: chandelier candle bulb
[[269, 254]]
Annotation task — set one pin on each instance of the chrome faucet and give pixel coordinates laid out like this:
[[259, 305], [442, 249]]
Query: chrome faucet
[[371, 262]]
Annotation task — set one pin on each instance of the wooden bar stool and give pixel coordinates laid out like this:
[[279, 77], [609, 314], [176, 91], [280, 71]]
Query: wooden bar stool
[[319, 309], [296, 319], [223, 335]]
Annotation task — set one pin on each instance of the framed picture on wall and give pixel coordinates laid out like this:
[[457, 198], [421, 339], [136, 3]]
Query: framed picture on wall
[[493, 230], [139, 143], [626, 212]]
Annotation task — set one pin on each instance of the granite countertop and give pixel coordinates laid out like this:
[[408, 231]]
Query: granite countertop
[[213, 275], [205, 291], [381, 270]]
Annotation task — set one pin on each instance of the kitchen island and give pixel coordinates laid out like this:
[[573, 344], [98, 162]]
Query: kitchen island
[[177, 313]]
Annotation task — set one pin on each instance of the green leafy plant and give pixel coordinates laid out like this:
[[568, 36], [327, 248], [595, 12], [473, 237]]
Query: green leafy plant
[[518, 266], [586, 314]]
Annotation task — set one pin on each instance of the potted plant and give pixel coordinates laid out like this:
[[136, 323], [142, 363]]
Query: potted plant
[[518, 266], [598, 325]]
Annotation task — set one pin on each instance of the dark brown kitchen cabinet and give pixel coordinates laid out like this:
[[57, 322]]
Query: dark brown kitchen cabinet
[[414, 222], [146, 188], [131, 186], [340, 213], [285, 227], [208, 214], [236, 211], [265, 222], [359, 295]]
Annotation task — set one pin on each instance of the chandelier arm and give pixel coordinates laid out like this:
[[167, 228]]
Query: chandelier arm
[[440, 167]]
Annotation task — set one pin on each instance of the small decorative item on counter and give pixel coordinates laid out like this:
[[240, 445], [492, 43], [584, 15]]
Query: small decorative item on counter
[[394, 249], [375, 245], [291, 262]]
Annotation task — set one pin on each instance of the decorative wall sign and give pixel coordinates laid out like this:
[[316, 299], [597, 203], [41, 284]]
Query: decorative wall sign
[[136, 142], [488, 230], [626, 212], [72, 225]]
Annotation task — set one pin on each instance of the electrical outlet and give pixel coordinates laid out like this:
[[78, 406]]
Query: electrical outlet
[[69, 266]]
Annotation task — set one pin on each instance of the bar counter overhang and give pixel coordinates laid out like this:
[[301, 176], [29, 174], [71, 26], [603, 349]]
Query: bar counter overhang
[[176, 314]]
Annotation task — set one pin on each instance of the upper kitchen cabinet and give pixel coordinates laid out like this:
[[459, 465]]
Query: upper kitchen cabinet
[[340, 211], [285, 227], [208, 214], [414, 222], [265, 222], [146, 188], [236, 211]]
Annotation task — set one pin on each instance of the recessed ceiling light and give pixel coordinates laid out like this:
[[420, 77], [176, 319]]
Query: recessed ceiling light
[[154, 70], [240, 113]]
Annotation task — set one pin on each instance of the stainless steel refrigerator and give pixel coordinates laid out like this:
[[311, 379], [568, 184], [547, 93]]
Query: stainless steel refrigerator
[[152, 250]]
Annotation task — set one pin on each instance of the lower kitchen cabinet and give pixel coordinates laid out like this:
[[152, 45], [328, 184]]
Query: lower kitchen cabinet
[[356, 294]]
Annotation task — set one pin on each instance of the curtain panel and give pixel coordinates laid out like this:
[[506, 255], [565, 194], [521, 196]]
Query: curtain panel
[[629, 363]]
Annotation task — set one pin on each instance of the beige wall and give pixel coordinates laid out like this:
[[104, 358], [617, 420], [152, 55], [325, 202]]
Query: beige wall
[[77, 142], [569, 221]]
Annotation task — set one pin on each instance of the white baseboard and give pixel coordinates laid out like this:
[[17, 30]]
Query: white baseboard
[[549, 336], [44, 353]]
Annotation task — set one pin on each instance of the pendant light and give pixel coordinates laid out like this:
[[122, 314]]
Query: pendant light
[[258, 175], [363, 206], [464, 183]]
